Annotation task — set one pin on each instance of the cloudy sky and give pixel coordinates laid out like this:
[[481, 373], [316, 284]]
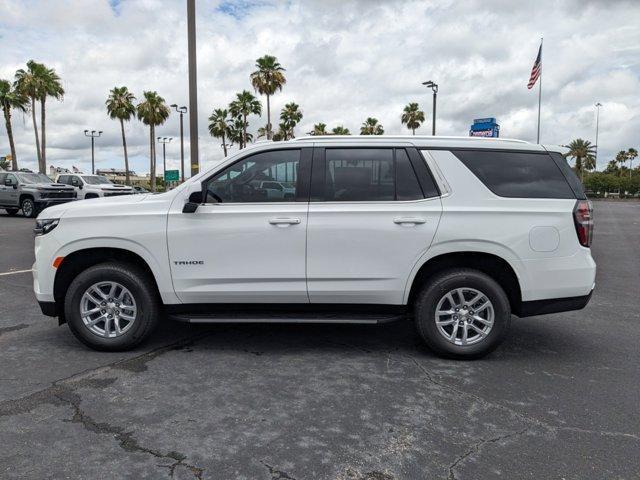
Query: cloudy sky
[[345, 61]]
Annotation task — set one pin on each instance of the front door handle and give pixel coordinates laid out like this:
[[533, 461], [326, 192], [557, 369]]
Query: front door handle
[[284, 221], [409, 220]]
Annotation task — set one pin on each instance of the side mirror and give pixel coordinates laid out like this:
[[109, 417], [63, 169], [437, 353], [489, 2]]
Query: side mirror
[[8, 182], [195, 199]]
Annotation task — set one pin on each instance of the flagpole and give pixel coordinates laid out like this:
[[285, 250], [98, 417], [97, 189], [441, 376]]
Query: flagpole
[[540, 90]]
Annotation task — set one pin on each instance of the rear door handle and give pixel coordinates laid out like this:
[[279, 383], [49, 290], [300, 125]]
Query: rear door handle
[[409, 220], [284, 221]]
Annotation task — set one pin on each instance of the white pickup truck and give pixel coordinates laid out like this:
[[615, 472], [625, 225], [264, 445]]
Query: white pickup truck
[[93, 186]]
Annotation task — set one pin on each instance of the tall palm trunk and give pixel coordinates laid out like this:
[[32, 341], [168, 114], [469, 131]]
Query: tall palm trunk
[[43, 137], [224, 144], [126, 156], [268, 118], [35, 129], [413, 130], [152, 158], [12, 146], [244, 130]]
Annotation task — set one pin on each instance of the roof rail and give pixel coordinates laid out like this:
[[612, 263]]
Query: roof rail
[[404, 137]]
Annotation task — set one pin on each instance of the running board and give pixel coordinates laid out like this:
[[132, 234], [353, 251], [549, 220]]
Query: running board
[[304, 317]]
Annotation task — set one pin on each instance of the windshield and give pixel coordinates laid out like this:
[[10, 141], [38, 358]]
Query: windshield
[[95, 179], [34, 178]]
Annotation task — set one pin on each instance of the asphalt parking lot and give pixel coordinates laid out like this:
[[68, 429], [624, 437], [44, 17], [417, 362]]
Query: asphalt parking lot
[[559, 400]]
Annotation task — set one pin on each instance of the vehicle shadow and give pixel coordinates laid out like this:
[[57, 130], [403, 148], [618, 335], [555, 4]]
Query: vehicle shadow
[[526, 340]]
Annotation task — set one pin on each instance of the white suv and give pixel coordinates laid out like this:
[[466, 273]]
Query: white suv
[[93, 186], [457, 233]]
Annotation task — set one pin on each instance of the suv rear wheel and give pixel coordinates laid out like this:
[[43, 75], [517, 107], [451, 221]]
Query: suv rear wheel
[[11, 211], [462, 313], [111, 307]]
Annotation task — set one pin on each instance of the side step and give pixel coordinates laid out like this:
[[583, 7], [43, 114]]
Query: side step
[[287, 317]]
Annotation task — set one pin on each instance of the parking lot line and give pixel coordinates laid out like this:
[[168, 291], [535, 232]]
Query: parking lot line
[[13, 272]]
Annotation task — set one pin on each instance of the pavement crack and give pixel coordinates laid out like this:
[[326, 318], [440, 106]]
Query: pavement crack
[[476, 447], [125, 439], [12, 328], [277, 474]]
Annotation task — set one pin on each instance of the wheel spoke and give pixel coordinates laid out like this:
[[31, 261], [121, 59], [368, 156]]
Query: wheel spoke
[[484, 305], [454, 332], [452, 302], [484, 321], [116, 325], [465, 333], [91, 323], [107, 326], [112, 290], [90, 312], [478, 330], [127, 317], [444, 323]]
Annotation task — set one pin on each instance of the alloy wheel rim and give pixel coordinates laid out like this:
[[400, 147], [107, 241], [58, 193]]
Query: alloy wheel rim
[[108, 309], [27, 208], [464, 316]]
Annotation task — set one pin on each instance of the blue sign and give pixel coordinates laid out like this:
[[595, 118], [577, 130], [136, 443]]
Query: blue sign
[[484, 127]]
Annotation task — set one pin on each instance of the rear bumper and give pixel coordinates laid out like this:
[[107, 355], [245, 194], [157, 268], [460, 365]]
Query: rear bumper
[[553, 305]]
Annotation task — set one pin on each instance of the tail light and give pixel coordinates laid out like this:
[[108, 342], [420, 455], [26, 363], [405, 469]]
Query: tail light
[[583, 218]]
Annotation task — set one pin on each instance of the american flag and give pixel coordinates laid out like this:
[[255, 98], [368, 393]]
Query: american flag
[[535, 71]]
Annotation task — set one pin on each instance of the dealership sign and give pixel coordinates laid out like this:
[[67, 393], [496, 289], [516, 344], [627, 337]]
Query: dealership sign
[[484, 127]]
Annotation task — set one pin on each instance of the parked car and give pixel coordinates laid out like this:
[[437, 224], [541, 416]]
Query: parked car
[[31, 192], [274, 190], [456, 233], [93, 186]]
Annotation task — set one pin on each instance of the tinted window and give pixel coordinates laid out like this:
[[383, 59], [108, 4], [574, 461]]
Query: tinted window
[[517, 174], [359, 174], [63, 179], [407, 186], [569, 174], [2, 177], [248, 180]]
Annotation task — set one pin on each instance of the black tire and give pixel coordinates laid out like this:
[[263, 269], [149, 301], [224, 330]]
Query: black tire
[[436, 288], [29, 208], [139, 285], [90, 195], [12, 211]]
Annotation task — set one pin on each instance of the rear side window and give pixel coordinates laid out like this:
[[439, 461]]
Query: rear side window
[[569, 174], [517, 174], [369, 175]]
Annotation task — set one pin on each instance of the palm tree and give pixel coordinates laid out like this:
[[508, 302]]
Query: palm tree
[[152, 111], [341, 130], [371, 127], [4, 164], [29, 83], [290, 116], [632, 153], [621, 159], [120, 107], [244, 105], [10, 99], [584, 154], [235, 133], [52, 87], [219, 126], [319, 129], [412, 117], [267, 80]]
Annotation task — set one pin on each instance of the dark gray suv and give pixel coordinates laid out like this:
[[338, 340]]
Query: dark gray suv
[[31, 192]]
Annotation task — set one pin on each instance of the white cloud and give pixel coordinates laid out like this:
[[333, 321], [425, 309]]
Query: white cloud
[[345, 61]]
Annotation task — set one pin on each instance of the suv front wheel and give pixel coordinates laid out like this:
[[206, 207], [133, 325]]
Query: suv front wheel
[[462, 313], [111, 307]]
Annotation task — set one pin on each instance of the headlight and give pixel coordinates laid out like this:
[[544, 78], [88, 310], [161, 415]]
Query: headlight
[[45, 226]]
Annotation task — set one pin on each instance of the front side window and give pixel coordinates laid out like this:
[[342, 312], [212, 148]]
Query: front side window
[[517, 174], [369, 175], [63, 179], [264, 177]]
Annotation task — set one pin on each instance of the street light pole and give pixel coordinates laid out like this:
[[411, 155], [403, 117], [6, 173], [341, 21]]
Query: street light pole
[[164, 141], [93, 135], [434, 87], [598, 105], [193, 86], [181, 110]]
